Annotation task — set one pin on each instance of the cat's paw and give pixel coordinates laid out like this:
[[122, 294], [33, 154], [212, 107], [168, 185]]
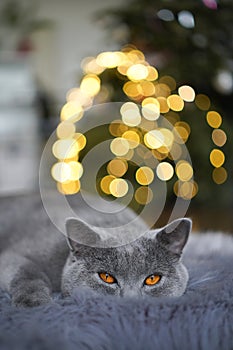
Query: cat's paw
[[29, 300], [31, 296]]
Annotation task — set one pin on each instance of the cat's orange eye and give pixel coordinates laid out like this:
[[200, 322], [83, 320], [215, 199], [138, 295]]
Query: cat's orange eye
[[152, 280], [107, 278]]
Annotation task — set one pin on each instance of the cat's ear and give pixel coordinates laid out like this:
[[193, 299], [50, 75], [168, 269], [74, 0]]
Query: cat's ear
[[175, 235], [78, 232]]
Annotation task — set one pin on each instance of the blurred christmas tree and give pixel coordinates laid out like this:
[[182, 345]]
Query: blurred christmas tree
[[191, 41]]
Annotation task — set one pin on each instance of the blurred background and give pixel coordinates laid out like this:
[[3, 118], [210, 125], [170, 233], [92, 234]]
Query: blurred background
[[45, 47]]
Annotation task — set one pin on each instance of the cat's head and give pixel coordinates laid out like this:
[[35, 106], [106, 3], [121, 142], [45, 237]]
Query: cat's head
[[151, 265]]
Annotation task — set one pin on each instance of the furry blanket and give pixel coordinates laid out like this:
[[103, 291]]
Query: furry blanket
[[200, 319]]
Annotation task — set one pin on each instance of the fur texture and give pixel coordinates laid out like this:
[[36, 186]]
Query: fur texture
[[34, 254], [201, 319]]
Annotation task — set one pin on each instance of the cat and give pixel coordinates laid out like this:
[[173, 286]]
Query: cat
[[36, 260]]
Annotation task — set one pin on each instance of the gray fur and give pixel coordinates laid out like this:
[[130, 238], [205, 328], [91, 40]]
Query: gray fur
[[156, 252], [201, 319], [36, 261]]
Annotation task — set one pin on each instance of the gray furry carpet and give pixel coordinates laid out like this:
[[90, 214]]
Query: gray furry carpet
[[200, 319]]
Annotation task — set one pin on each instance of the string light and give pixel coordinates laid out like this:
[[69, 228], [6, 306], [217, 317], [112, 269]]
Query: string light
[[150, 97]]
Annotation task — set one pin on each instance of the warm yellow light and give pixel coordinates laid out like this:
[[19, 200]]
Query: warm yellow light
[[146, 88], [184, 170], [202, 102], [137, 72], [69, 188], [175, 102], [162, 90], [71, 111], [154, 139], [117, 128], [168, 80], [117, 167], [76, 171], [214, 119], [119, 146], [130, 114], [149, 101], [90, 84], [143, 195], [110, 59], [151, 111], [65, 130], [175, 152], [105, 183], [132, 137], [123, 68], [158, 155], [164, 108], [67, 148], [217, 158], [219, 137], [187, 93], [183, 134], [152, 73], [80, 140], [79, 97], [90, 66], [219, 175], [61, 172], [187, 190], [164, 171], [118, 187], [144, 175], [135, 55], [183, 130], [130, 88], [168, 137]]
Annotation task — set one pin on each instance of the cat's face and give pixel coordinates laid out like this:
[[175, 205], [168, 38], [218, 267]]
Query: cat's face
[[150, 265]]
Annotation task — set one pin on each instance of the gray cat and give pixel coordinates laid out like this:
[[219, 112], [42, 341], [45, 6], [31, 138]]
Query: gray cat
[[35, 259]]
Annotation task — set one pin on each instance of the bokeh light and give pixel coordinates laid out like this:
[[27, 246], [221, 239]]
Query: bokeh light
[[132, 137], [105, 183], [214, 119], [143, 195], [219, 175], [118, 187], [219, 137], [164, 171], [61, 172], [137, 72], [69, 188], [80, 140], [184, 170], [65, 130], [202, 102], [117, 167], [119, 146], [130, 114], [186, 190], [217, 158], [154, 139], [187, 93], [175, 102], [67, 148], [72, 111], [90, 84], [144, 175], [151, 98]]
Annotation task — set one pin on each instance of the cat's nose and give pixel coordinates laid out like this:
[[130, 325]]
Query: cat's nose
[[129, 292]]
